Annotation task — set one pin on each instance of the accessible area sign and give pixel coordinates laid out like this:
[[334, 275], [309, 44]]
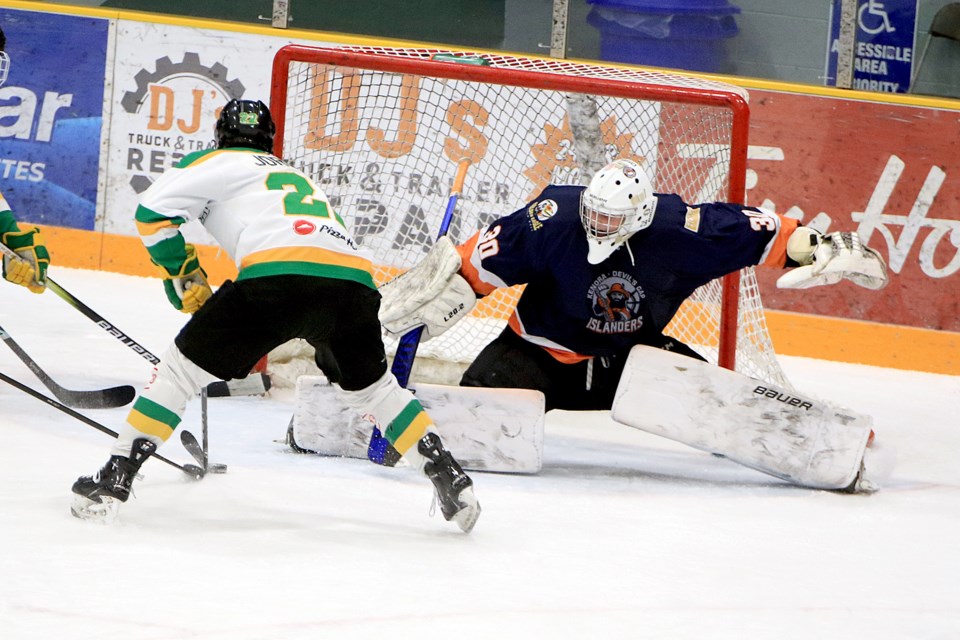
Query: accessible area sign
[[883, 45]]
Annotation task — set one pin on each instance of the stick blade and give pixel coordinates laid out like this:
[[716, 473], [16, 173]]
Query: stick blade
[[253, 385], [99, 399], [189, 442]]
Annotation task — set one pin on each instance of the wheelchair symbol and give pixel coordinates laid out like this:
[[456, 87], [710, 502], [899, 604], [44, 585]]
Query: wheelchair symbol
[[873, 18]]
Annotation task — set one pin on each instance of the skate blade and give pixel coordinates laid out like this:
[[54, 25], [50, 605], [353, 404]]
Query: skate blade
[[104, 512], [467, 517]]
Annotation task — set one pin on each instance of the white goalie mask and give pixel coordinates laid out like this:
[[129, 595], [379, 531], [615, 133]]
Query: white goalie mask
[[618, 202]]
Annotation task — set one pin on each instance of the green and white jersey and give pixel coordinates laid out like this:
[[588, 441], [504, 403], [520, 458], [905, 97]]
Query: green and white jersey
[[271, 218], [7, 221]]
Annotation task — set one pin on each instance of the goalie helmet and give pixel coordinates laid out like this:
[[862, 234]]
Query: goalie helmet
[[618, 202], [4, 59], [245, 123]]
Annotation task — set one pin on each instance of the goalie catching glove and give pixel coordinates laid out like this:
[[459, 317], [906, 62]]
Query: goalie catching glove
[[827, 259], [188, 289], [29, 268], [432, 294]]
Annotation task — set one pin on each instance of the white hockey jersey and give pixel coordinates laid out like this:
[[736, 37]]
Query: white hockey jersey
[[271, 218]]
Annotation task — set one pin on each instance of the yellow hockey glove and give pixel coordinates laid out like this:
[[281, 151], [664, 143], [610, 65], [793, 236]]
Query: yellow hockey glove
[[188, 290], [30, 270]]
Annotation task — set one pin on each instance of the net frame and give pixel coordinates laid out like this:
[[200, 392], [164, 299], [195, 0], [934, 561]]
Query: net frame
[[568, 78]]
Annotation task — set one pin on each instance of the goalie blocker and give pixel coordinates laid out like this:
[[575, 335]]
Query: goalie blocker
[[485, 429], [767, 428]]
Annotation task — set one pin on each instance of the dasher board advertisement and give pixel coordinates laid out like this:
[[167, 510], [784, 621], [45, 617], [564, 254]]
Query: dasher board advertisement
[[51, 116]]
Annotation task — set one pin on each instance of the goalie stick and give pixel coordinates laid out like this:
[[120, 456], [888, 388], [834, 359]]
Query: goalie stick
[[410, 341], [379, 450], [93, 399], [191, 470]]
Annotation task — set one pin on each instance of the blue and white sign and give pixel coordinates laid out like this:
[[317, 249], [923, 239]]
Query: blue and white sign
[[884, 45], [51, 112]]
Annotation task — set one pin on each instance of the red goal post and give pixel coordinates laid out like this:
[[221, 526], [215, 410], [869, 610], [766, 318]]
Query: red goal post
[[382, 131]]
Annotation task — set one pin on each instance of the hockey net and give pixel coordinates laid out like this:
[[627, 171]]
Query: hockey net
[[382, 131]]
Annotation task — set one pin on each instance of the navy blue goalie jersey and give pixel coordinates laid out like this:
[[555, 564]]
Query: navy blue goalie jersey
[[577, 310]]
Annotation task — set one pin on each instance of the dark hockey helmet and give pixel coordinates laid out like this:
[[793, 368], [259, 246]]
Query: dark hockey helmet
[[4, 58], [245, 123]]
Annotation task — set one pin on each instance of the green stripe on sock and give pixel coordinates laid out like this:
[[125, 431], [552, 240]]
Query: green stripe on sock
[[403, 420], [156, 412]]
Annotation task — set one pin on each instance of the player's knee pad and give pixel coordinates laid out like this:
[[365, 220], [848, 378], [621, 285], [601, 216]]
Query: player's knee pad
[[157, 411], [395, 409]]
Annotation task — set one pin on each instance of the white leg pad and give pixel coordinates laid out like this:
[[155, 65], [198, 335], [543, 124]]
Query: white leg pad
[[761, 426], [485, 429]]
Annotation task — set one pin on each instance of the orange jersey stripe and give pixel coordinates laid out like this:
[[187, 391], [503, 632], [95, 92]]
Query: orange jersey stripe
[[307, 254], [566, 357], [777, 257], [468, 271]]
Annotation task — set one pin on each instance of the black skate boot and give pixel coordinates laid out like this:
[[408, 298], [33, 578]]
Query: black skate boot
[[454, 488], [98, 497]]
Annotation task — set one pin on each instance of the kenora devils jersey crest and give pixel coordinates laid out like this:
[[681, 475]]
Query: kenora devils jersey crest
[[615, 304]]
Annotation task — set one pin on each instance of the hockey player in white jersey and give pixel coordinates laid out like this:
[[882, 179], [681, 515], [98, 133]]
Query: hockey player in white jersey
[[30, 267], [301, 275]]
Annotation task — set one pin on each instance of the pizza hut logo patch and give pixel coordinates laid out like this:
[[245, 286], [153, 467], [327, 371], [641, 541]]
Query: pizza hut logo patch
[[304, 227]]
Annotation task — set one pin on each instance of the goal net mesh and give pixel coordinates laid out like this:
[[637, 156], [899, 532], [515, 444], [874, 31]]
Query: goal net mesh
[[382, 131]]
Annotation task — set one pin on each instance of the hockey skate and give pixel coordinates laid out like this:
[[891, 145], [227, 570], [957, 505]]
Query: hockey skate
[[454, 488], [98, 497]]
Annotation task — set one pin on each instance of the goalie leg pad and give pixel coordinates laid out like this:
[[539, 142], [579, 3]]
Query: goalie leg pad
[[485, 429], [758, 425], [390, 404]]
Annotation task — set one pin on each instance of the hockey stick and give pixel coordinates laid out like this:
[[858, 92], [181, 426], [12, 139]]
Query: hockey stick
[[74, 302], [191, 470], [102, 322], [252, 385], [201, 453], [94, 399], [410, 341]]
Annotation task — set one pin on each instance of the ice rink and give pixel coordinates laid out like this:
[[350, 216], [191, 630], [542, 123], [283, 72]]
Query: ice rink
[[622, 535]]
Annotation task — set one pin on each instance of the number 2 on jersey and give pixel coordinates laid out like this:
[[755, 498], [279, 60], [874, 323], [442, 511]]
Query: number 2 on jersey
[[302, 200]]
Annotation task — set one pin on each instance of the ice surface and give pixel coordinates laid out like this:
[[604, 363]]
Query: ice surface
[[622, 535]]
